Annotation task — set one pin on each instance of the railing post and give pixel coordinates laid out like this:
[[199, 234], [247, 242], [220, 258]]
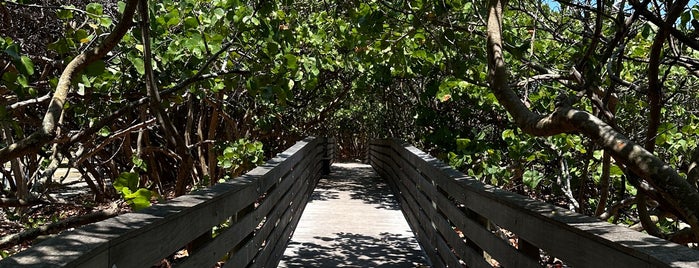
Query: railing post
[[327, 156]]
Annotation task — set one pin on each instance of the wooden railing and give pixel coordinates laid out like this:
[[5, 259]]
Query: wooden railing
[[452, 215], [254, 216]]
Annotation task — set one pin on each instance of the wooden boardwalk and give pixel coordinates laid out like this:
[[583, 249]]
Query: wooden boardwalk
[[353, 220]]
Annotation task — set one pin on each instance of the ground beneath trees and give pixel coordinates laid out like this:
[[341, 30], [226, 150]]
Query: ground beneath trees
[[68, 204]]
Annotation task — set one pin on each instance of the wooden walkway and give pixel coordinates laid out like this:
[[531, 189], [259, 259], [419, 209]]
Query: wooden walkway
[[353, 220]]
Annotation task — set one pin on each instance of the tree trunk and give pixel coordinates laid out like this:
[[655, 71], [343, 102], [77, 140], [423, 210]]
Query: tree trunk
[[171, 134]]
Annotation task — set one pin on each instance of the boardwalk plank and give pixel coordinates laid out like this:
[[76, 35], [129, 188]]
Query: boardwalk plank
[[352, 219]]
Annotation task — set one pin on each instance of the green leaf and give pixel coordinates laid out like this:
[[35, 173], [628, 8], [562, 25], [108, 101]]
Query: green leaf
[[615, 171], [685, 17], [139, 64], [23, 80], [104, 132], [227, 163], [121, 6], [61, 46], [645, 31], [139, 163], [190, 23], [507, 134], [26, 66], [126, 180], [444, 93], [139, 199], [251, 19], [229, 152], [82, 36], [219, 13], [64, 14], [13, 51], [462, 144], [291, 61], [531, 178], [105, 22], [94, 9], [96, 68], [10, 78]]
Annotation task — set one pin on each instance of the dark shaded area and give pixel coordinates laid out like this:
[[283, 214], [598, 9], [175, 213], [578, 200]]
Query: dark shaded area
[[355, 250], [363, 185]]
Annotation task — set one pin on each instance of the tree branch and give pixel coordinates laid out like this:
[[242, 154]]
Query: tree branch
[[671, 186], [47, 132]]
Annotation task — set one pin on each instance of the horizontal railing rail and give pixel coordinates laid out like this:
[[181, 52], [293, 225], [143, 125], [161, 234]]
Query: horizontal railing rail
[[254, 215], [451, 215]]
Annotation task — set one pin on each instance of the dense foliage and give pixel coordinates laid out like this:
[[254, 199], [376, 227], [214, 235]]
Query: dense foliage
[[198, 91]]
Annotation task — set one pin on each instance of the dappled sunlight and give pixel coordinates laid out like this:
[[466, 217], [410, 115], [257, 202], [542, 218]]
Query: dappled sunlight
[[356, 250], [360, 182], [353, 220]]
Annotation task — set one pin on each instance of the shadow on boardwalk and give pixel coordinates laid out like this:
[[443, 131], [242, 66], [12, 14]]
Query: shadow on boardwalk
[[353, 220], [361, 182], [356, 250]]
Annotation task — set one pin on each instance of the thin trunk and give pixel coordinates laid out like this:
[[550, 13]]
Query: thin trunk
[[583, 188], [646, 221], [170, 132], [20, 181], [211, 135], [654, 83], [55, 159], [564, 182], [693, 169], [188, 136], [200, 149], [85, 172], [604, 184]]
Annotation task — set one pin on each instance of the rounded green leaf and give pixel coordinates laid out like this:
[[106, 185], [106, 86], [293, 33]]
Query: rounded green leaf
[[531, 178], [94, 9], [126, 180]]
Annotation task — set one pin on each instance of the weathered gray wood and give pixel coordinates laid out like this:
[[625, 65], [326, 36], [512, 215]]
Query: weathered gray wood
[[352, 221], [209, 254], [141, 239], [430, 218], [287, 214], [247, 254], [498, 248], [82, 247], [271, 256], [273, 250], [578, 240], [127, 250], [250, 222], [422, 236], [462, 250], [431, 242]]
